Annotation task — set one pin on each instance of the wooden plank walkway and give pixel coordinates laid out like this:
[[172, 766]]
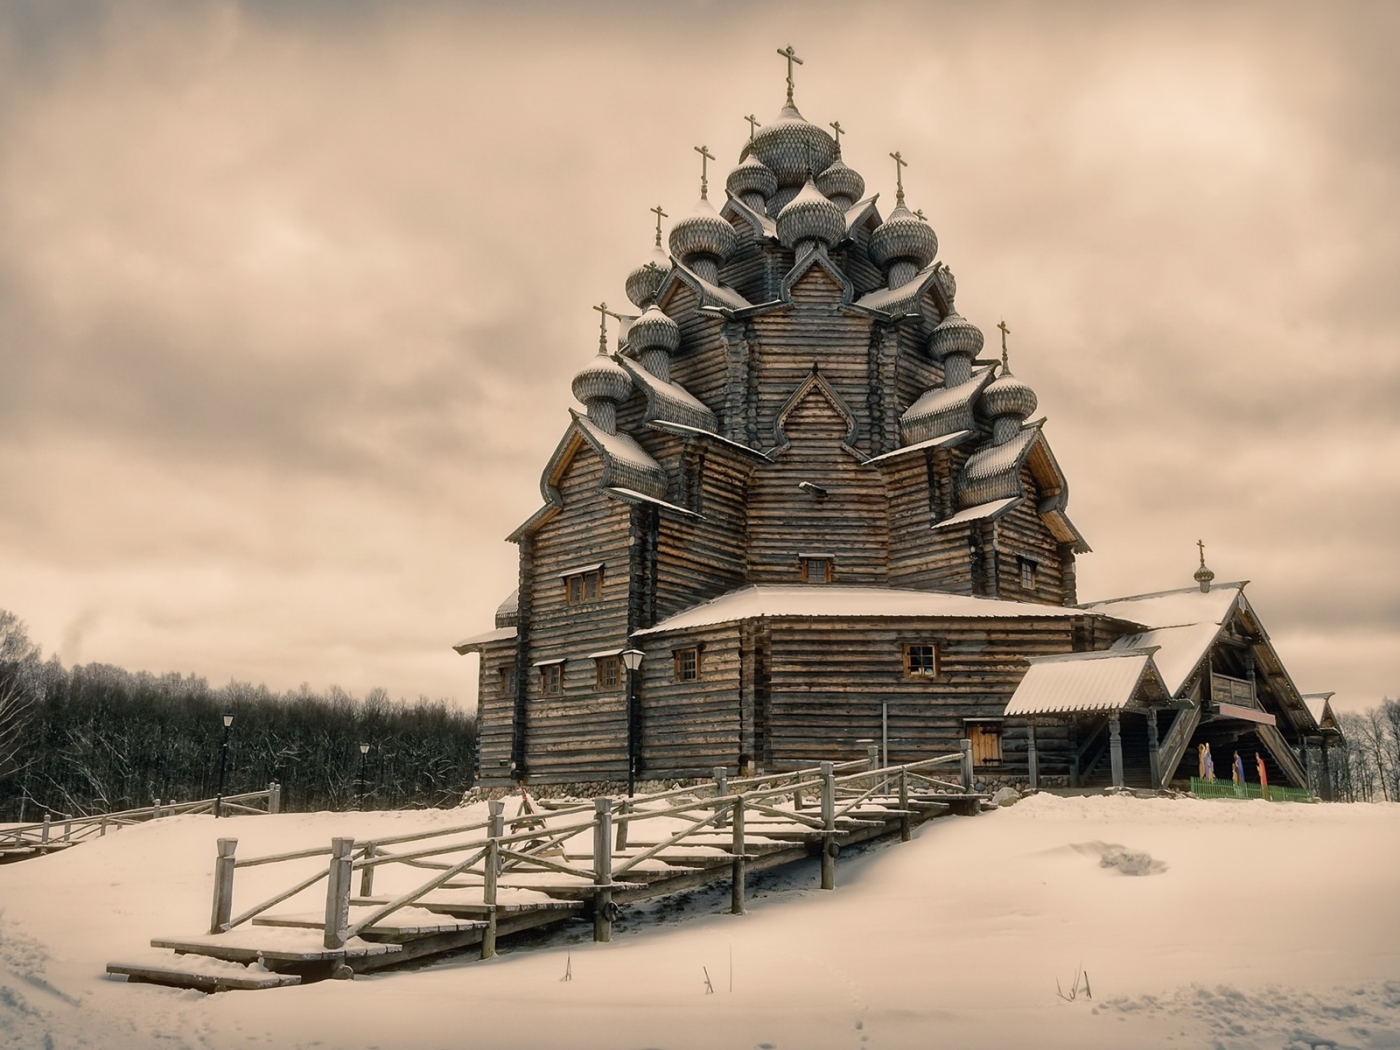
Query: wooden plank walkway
[[424, 894]]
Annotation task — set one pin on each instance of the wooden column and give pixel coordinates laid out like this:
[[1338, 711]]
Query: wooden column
[[1074, 754], [1115, 750], [737, 848], [872, 757], [965, 745], [1154, 746], [906, 831], [1032, 759], [491, 867], [1326, 774], [223, 886], [602, 870], [338, 892], [829, 846]]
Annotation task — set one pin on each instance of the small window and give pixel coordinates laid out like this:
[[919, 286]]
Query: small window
[[986, 743], [583, 586], [1028, 573], [921, 660], [609, 672], [687, 664], [816, 568], [507, 679], [552, 679]]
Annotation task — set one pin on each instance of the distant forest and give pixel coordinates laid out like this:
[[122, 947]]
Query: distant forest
[[97, 738]]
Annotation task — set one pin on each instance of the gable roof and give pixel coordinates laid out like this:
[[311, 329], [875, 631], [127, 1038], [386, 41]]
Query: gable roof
[[1180, 650], [670, 402], [897, 302], [1186, 605], [943, 410], [1077, 682]]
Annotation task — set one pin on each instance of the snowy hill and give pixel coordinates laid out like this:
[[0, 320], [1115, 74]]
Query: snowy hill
[[1248, 925]]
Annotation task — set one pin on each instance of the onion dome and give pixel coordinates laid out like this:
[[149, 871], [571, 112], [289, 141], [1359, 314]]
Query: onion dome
[[840, 181], [654, 329], [1203, 576], [753, 182], [783, 146], [703, 237], [810, 217], [955, 342], [645, 281], [1008, 396], [602, 385], [903, 237]]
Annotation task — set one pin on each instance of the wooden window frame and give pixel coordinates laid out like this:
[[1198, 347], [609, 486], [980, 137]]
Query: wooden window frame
[[609, 672], [806, 561], [581, 588], [505, 679], [1030, 569], [679, 663], [922, 675], [552, 679]]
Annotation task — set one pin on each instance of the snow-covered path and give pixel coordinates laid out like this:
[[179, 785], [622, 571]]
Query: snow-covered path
[[1253, 925]]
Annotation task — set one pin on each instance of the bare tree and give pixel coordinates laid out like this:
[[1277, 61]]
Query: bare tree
[[16, 709]]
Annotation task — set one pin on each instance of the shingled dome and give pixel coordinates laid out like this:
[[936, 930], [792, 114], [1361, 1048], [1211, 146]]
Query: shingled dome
[[1008, 396], [602, 379], [645, 281], [789, 145], [838, 180], [654, 330], [703, 233], [955, 334], [750, 177], [903, 237], [810, 217]]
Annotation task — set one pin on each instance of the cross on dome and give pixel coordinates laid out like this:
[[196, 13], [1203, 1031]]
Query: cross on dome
[[1005, 331], [705, 157], [603, 314], [754, 125], [835, 126], [791, 56], [899, 165], [659, 216]]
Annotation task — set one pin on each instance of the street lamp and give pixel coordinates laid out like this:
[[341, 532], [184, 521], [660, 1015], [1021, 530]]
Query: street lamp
[[632, 660], [364, 750], [223, 766]]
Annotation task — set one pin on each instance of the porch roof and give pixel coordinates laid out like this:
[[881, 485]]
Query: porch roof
[[1079, 682]]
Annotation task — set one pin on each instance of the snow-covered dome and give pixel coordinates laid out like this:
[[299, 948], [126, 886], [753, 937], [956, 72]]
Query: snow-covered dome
[[654, 329], [752, 177], [838, 180], [1008, 396], [810, 217], [903, 237], [602, 379], [955, 334], [704, 234], [645, 281], [789, 145]]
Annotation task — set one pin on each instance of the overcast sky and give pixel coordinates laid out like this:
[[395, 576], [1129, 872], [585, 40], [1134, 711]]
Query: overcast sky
[[291, 294]]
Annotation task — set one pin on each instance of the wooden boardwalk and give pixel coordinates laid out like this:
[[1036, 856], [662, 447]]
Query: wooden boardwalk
[[467, 887], [52, 835]]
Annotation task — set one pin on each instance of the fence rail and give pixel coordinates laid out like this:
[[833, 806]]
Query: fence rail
[[50, 834], [1228, 789]]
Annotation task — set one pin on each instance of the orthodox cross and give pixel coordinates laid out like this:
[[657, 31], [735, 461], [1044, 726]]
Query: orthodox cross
[[705, 157], [919, 214], [1004, 333], [754, 125], [659, 216], [1202, 544], [791, 56], [603, 314], [899, 165], [835, 126]]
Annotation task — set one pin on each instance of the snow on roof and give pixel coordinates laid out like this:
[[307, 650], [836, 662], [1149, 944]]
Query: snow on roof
[[1173, 608], [1179, 650], [994, 509], [1104, 681], [954, 438], [671, 402], [631, 466], [808, 599], [903, 299], [511, 604], [477, 642], [943, 410], [722, 295]]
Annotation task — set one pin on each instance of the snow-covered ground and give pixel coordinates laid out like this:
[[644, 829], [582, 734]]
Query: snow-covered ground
[[1251, 925]]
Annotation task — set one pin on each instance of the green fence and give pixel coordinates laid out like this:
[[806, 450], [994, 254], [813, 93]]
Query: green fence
[[1227, 789]]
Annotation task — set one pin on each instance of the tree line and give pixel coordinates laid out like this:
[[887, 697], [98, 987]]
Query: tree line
[[1370, 770], [97, 738]]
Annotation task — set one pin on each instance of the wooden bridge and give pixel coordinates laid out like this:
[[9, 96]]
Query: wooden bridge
[[504, 875], [51, 834]]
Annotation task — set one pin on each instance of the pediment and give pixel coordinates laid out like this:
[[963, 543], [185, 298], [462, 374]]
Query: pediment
[[813, 399]]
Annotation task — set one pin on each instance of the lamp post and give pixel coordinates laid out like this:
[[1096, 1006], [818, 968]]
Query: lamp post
[[364, 751], [223, 766], [632, 660]]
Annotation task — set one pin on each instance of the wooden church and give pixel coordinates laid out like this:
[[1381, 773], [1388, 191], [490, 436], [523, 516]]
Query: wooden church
[[815, 517]]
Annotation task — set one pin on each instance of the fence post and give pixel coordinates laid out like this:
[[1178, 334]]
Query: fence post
[[737, 893], [622, 825], [44, 832], [905, 832], [602, 870], [872, 756], [102, 828], [966, 745], [223, 886], [67, 830], [367, 872], [155, 811], [829, 846], [488, 894], [274, 798], [721, 789], [338, 892]]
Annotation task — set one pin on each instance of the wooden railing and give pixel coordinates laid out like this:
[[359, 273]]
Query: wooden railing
[[53, 833], [476, 855]]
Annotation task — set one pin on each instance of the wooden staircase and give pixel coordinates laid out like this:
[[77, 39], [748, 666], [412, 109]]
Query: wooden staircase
[[504, 876]]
